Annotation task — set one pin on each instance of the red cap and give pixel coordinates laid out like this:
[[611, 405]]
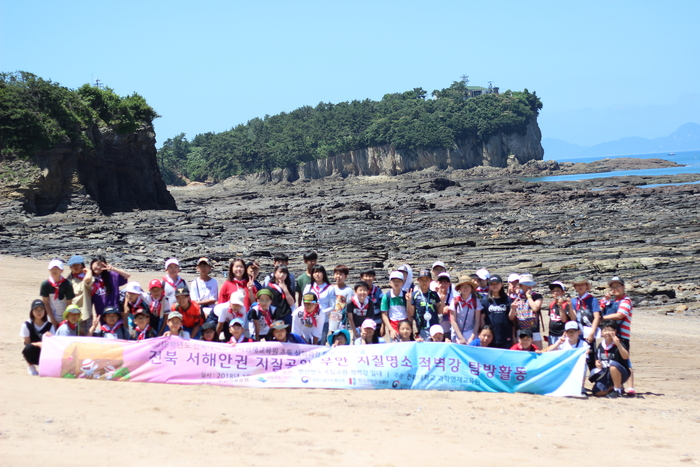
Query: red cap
[[155, 283]]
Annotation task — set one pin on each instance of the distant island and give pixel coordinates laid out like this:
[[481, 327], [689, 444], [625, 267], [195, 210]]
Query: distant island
[[459, 127]]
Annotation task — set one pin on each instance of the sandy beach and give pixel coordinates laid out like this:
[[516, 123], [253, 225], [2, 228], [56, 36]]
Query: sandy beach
[[57, 422]]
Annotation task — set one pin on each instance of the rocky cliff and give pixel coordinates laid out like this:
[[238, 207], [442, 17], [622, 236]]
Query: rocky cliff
[[120, 173], [500, 150]]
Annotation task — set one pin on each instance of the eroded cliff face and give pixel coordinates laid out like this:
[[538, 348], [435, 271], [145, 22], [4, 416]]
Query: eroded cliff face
[[499, 150], [119, 174]]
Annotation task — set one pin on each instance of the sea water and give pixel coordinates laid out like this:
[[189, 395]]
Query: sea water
[[690, 159]]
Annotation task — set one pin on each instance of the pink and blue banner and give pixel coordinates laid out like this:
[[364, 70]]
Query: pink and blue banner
[[409, 365]]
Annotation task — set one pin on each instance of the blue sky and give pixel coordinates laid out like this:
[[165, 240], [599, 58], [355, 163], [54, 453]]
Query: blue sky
[[603, 69]]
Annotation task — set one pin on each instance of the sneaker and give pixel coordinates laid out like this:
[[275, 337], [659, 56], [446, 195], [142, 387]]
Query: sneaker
[[32, 370], [631, 392], [613, 394]]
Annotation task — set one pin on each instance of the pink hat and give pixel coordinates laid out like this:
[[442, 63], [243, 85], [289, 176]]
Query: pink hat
[[369, 323]]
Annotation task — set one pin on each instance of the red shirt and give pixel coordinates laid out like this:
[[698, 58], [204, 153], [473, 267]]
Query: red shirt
[[229, 288], [190, 317], [517, 346]]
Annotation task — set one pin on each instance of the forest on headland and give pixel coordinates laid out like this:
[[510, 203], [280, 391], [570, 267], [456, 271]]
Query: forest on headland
[[37, 114], [403, 120]]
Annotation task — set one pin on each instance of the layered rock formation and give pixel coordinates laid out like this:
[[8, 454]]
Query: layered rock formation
[[120, 174]]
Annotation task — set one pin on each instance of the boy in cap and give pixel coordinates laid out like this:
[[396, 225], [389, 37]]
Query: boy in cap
[[307, 320], [560, 311], [428, 307], [225, 312], [437, 269], [159, 307], [191, 315], [396, 305], [111, 325], [525, 341], [204, 290], [340, 275], [175, 326], [69, 325], [142, 326], [620, 310], [280, 333], [56, 292], [447, 293], [237, 332], [81, 280]]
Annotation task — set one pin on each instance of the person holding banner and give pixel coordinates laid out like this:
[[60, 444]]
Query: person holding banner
[[465, 312], [175, 326], [280, 333], [368, 333], [237, 335], [308, 320], [396, 305], [526, 309], [427, 305]]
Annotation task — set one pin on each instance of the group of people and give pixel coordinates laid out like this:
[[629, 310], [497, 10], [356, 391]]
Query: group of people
[[478, 310]]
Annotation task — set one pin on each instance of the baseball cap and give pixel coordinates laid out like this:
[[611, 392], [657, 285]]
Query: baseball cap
[[571, 325], [155, 283], [369, 323], [203, 260], [133, 287], [172, 261], [528, 280], [483, 274], [37, 303], [616, 279], [182, 291], [75, 259], [495, 278], [236, 299], [309, 298], [444, 276], [234, 321], [279, 324], [174, 314], [438, 264], [525, 333], [56, 263], [140, 311], [110, 309], [557, 283], [424, 273], [514, 277], [436, 329], [208, 325], [396, 275]]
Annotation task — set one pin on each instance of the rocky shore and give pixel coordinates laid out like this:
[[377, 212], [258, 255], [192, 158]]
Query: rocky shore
[[555, 230]]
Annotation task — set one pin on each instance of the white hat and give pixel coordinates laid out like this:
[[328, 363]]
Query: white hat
[[439, 264], [172, 261], [557, 283], [133, 287], [369, 323], [483, 274], [436, 329], [236, 299], [514, 277], [527, 280], [397, 275], [56, 263], [444, 274], [571, 325]]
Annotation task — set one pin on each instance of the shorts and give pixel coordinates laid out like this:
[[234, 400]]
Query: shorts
[[605, 382], [395, 325]]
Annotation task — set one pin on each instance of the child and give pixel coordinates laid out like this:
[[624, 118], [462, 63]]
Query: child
[[339, 337], [437, 334], [570, 340], [339, 316], [437, 269], [280, 333], [465, 312], [526, 309], [407, 272], [612, 362], [525, 341], [175, 326], [325, 295], [485, 337], [588, 317], [427, 305], [172, 280], [253, 270], [106, 282], [560, 312], [359, 309], [282, 296], [159, 307], [281, 259], [33, 332], [142, 326], [406, 331], [368, 334], [482, 276], [307, 320], [305, 279], [620, 310], [228, 311], [375, 295], [261, 314], [238, 280], [191, 314], [204, 290], [496, 313], [237, 334], [69, 325], [447, 293], [136, 299], [111, 325], [81, 280], [395, 305], [209, 332], [56, 292], [514, 286]]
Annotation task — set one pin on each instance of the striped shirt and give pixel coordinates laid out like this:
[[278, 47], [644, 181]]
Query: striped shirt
[[625, 307]]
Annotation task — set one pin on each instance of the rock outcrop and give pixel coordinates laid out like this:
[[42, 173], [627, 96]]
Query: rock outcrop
[[120, 173]]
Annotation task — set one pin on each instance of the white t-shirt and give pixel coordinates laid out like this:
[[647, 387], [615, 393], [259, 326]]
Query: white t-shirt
[[200, 291], [582, 344], [24, 331], [325, 295], [336, 315], [223, 311], [304, 326]]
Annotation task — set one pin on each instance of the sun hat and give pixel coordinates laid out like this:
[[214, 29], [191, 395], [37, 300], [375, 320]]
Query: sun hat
[[155, 283], [174, 314], [571, 325], [483, 274], [527, 280], [581, 280], [37, 303], [466, 281], [56, 263], [514, 277], [75, 259], [344, 332], [368, 323], [436, 329], [172, 261], [279, 324], [70, 309], [557, 284], [397, 275], [133, 287]]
